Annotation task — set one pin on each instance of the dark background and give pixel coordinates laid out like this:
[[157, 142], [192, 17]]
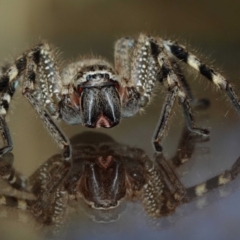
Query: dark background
[[208, 28]]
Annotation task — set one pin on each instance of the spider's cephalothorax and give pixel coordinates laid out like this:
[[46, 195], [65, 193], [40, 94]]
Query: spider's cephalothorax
[[94, 93], [98, 96]]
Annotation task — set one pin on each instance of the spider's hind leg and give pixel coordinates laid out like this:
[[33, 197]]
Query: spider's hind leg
[[171, 75], [213, 183], [9, 76], [193, 61], [8, 173]]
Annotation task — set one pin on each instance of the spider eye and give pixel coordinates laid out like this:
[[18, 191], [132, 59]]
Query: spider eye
[[88, 77], [106, 76]]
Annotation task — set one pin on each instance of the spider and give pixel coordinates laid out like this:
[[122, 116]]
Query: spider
[[91, 92], [103, 175], [95, 94]]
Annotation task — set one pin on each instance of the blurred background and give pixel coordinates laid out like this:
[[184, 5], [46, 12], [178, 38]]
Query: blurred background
[[81, 27]]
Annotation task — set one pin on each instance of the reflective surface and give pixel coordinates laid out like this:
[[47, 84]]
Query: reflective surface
[[83, 27]]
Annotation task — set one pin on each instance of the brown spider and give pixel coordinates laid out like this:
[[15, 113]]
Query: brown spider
[[94, 93], [104, 175]]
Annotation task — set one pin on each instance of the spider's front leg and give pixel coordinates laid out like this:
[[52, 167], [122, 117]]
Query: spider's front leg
[[41, 86], [142, 63], [50, 211]]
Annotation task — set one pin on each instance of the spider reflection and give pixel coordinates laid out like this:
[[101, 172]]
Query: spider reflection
[[104, 175]]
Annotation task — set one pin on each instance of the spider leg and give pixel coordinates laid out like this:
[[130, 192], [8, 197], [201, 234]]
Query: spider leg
[[7, 140], [164, 117], [185, 148], [54, 213], [178, 189], [57, 134], [48, 186], [37, 182], [123, 51], [221, 82], [142, 63], [137, 67], [40, 183], [163, 184], [8, 85], [163, 191], [41, 86], [214, 182], [15, 202], [196, 103], [8, 173], [186, 98], [152, 191], [137, 62], [175, 79], [49, 82], [59, 209]]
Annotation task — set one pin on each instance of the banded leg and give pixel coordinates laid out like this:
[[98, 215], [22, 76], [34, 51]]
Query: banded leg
[[7, 140], [40, 184], [38, 60], [143, 63], [185, 95], [221, 82], [42, 92], [135, 62], [8, 83], [54, 214], [15, 202], [8, 173], [7, 93], [37, 182], [44, 95], [219, 180], [172, 73]]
